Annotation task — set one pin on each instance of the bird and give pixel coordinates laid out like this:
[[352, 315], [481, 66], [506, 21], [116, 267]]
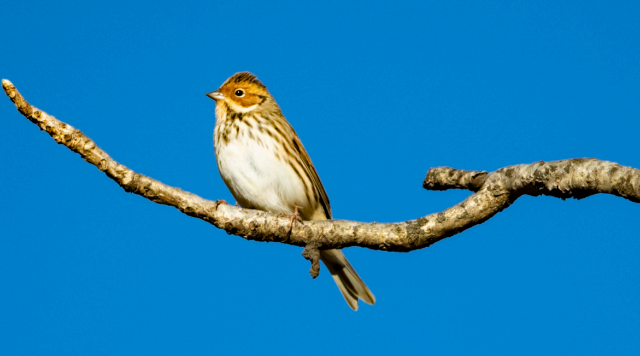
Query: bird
[[265, 166]]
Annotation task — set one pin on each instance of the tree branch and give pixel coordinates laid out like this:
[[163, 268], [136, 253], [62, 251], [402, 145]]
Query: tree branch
[[576, 178]]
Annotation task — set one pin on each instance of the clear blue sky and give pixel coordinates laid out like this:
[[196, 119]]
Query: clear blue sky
[[378, 94]]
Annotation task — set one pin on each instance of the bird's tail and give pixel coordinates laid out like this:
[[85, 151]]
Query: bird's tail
[[348, 281]]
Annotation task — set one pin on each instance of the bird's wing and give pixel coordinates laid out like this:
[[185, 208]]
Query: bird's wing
[[313, 175]]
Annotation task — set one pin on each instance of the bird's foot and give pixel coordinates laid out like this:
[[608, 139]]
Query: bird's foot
[[295, 216]]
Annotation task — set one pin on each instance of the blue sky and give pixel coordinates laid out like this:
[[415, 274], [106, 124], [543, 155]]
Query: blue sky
[[378, 94]]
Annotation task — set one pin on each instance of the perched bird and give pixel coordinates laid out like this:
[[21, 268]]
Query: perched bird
[[265, 166]]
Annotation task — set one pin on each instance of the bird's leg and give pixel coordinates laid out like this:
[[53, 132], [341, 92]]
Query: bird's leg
[[295, 216]]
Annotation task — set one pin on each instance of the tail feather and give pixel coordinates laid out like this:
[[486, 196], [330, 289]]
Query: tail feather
[[350, 284]]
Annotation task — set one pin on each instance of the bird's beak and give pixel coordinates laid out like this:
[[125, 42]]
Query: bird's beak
[[215, 95]]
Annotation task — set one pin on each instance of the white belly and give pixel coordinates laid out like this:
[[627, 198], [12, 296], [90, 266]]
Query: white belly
[[258, 179]]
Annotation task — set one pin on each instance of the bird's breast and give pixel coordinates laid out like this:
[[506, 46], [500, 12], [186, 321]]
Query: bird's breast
[[255, 168]]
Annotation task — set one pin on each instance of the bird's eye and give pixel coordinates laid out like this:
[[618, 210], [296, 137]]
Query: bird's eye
[[239, 93]]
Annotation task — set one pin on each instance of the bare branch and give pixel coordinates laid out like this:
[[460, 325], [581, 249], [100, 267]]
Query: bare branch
[[444, 178], [577, 178], [570, 178]]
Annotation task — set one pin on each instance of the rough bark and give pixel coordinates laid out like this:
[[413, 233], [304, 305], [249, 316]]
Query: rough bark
[[572, 178]]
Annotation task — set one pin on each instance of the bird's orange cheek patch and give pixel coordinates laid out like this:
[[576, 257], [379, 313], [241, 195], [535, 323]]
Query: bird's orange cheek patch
[[248, 100]]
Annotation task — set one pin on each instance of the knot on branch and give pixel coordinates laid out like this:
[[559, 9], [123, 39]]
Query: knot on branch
[[312, 253], [220, 202]]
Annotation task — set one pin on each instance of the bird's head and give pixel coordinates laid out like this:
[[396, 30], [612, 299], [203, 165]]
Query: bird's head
[[242, 92]]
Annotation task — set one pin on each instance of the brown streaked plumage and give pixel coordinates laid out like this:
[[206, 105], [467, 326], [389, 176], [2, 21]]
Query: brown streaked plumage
[[264, 164]]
